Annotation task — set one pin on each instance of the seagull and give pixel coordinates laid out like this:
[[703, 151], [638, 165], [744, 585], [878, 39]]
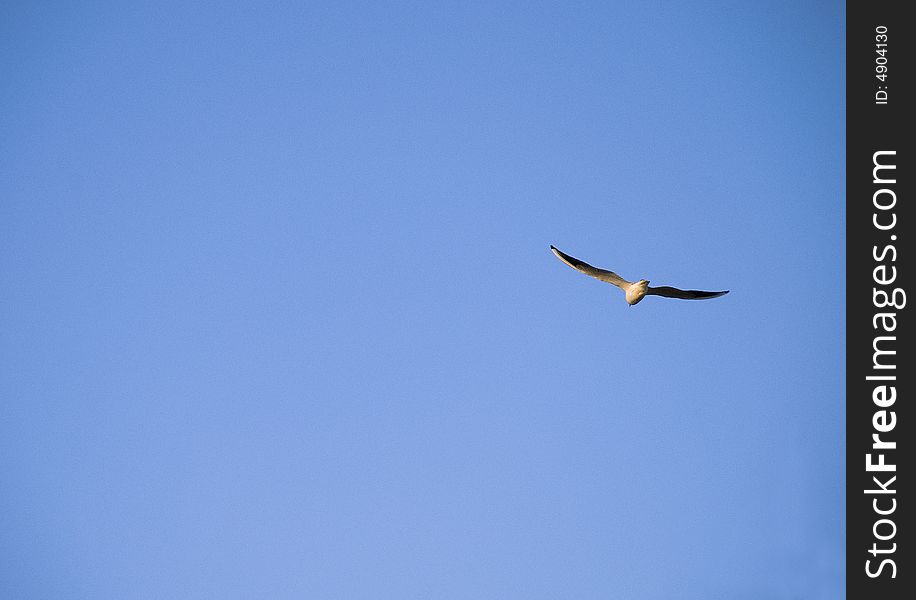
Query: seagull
[[635, 291]]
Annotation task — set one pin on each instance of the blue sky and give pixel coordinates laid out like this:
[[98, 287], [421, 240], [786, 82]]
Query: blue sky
[[280, 320]]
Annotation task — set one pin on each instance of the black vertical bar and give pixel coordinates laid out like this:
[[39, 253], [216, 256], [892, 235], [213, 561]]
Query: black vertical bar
[[880, 374]]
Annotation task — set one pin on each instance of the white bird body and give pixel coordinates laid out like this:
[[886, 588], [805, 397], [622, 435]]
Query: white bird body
[[634, 291]]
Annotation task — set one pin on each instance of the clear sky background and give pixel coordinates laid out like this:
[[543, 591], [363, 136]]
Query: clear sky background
[[279, 317]]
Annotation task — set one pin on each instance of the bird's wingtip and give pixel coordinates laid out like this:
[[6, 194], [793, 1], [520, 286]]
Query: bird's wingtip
[[552, 247]]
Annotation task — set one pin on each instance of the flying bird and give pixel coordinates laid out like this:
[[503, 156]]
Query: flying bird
[[637, 290]]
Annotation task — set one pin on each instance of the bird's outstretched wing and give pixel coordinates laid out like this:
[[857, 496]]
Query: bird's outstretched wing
[[670, 292], [608, 276]]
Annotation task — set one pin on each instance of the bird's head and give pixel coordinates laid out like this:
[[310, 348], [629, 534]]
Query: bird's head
[[643, 282]]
